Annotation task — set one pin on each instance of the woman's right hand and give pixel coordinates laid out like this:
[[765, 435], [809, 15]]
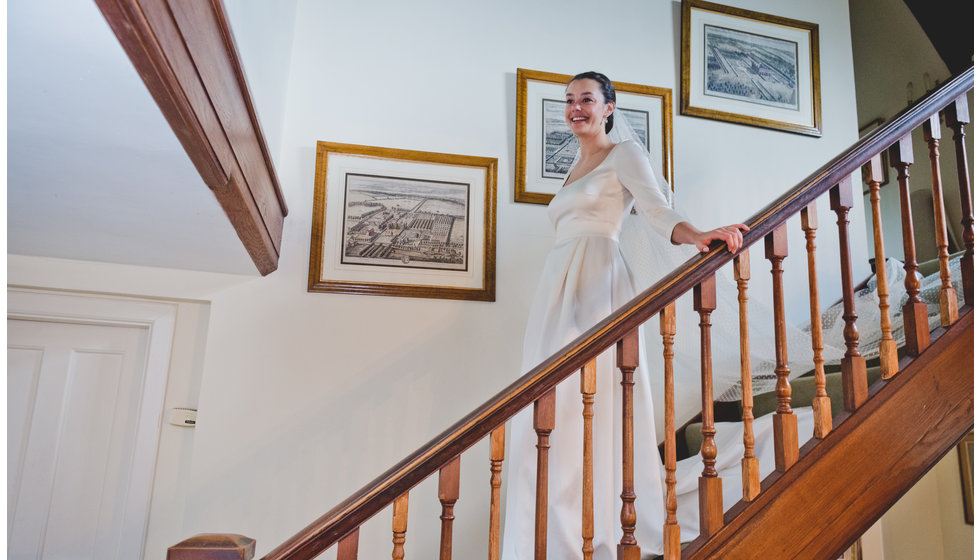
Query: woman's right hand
[[731, 235]]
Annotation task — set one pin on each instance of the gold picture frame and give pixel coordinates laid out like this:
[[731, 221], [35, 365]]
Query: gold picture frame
[[545, 146], [403, 223], [750, 68]]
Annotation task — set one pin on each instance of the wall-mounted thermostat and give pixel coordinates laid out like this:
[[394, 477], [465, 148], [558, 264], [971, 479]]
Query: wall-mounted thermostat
[[184, 417]]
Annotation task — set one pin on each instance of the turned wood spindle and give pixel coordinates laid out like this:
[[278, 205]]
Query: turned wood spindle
[[957, 116], [823, 420], [750, 464], [347, 547], [948, 308], [497, 439], [672, 531], [448, 494], [399, 526], [915, 316], [785, 436], [544, 423], [627, 359], [854, 375], [711, 508], [887, 348], [588, 386]]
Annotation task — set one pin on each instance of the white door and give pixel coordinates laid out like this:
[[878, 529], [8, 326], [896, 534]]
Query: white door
[[73, 405]]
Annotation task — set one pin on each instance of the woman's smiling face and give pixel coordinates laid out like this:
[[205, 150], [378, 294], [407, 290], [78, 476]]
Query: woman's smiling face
[[585, 107]]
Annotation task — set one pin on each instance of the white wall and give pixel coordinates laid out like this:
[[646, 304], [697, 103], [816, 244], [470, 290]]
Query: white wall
[[264, 37], [927, 522], [307, 397]]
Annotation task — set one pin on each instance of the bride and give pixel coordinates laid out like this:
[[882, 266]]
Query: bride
[[585, 279]]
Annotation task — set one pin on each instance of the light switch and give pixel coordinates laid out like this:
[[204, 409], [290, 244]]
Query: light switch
[[183, 417]]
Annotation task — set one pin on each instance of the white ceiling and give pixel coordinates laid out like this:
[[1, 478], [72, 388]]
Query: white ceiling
[[94, 171]]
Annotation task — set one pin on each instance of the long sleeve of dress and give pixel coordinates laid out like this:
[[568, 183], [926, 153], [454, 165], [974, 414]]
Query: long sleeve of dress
[[634, 171]]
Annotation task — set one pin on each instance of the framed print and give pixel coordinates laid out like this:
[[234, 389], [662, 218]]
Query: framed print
[[546, 147], [853, 552], [749, 68], [965, 451], [403, 223]]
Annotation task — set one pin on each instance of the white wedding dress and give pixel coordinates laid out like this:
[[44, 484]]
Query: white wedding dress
[[585, 279]]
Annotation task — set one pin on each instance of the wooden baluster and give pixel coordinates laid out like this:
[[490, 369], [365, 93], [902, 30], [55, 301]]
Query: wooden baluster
[[544, 423], [399, 526], [347, 547], [750, 464], [785, 436], [948, 308], [627, 359], [588, 496], [709, 485], [497, 438], [957, 116], [854, 374], [914, 313], [448, 494], [823, 420], [672, 531], [887, 348]]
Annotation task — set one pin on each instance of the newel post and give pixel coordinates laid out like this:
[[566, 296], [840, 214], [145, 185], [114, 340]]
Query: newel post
[[213, 547]]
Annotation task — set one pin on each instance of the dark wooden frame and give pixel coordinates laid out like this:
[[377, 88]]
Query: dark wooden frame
[[186, 55], [854, 552], [811, 29], [521, 192], [486, 292], [965, 451]]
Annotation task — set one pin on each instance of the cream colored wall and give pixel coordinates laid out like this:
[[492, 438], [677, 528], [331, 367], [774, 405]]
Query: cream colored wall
[[957, 534], [890, 51], [166, 523], [927, 522], [264, 37], [307, 397]]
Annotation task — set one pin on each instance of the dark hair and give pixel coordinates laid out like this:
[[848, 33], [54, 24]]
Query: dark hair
[[605, 87]]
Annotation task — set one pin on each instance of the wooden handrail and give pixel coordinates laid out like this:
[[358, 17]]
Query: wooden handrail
[[351, 513]]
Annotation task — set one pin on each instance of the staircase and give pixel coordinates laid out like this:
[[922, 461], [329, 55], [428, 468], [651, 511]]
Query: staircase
[[823, 495]]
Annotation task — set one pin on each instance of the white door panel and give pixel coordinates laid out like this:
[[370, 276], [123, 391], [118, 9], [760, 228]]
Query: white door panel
[[74, 402], [23, 372]]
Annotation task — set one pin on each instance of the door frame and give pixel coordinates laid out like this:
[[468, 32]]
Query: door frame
[[159, 318]]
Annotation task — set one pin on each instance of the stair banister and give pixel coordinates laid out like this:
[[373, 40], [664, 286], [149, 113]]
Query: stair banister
[[346, 517]]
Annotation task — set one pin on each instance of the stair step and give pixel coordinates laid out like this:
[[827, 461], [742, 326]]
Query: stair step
[[803, 391]]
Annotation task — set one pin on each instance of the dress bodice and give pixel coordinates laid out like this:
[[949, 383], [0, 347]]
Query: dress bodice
[[598, 202]]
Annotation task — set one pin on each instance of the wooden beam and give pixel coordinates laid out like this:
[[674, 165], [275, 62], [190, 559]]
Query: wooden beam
[[185, 53]]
